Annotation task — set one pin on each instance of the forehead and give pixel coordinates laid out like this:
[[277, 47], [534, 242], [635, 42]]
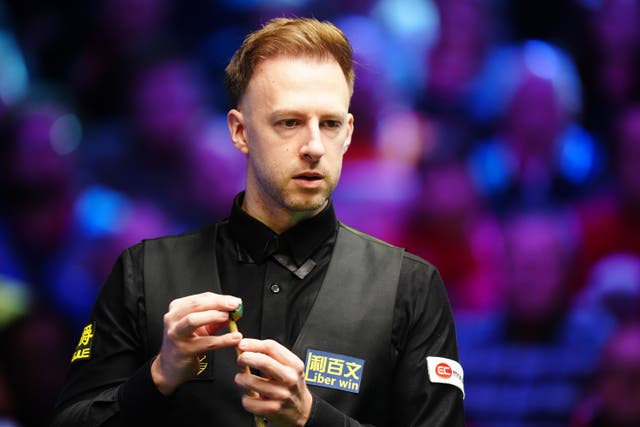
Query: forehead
[[296, 80]]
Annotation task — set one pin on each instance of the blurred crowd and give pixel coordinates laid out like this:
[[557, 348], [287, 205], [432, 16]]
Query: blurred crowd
[[499, 140]]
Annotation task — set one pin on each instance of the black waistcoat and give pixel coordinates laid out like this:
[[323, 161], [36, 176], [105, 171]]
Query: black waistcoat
[[351, 320]]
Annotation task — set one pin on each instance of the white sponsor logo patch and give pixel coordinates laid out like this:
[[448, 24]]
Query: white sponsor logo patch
[[445, 371]]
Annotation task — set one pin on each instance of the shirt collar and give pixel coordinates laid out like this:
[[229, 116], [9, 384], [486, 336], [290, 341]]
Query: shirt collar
[[299, 242]]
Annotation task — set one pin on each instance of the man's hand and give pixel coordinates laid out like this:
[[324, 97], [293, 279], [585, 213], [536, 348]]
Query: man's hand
[[189, 331], [283, 396]]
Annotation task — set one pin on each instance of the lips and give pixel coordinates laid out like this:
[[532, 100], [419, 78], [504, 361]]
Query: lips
[[309, 176], [309, 180]]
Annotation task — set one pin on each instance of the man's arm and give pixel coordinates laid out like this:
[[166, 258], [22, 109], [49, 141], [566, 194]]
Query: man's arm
[[110, 357], [114, 376], [424, 327]]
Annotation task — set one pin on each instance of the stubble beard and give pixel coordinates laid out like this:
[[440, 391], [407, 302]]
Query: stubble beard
[[284, 194], [301, 202]]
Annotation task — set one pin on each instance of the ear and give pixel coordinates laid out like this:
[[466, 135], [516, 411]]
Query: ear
[[235, 121], [347, 141]]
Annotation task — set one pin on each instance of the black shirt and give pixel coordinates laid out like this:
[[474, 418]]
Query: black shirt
[[289, 269]]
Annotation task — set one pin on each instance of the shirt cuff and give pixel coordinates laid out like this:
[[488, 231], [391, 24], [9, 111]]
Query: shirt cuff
[[139, 397], [323, 414]]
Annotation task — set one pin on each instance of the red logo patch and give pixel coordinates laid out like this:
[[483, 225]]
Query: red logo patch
[[443, 371]]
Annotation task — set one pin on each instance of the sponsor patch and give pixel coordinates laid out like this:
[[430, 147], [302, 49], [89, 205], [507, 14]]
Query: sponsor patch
[[83, 349], [203, 364], [445, 371], [205, 367], [333, 371]]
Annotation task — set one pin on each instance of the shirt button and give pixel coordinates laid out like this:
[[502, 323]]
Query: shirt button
[[274, 288]]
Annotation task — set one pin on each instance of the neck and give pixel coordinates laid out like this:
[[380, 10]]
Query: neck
[[279, 220]]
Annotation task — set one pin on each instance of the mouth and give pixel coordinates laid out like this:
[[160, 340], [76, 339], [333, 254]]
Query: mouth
[[309, 176], [309, 180]]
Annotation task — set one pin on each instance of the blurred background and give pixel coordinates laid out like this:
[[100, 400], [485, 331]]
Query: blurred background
[[498, 139]]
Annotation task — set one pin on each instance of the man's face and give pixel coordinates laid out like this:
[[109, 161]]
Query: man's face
[[294, 126]]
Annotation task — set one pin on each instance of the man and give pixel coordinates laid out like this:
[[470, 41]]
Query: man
[[340, 328]]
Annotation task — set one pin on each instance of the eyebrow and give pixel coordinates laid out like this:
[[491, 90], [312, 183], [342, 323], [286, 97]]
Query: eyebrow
[[289, 112]]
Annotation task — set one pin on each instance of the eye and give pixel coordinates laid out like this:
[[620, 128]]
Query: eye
[[333, 124], [289, 123]]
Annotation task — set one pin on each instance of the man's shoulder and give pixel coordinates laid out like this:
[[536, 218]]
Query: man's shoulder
[[408, 257], [187, 241], [367, 237], [184, 238]]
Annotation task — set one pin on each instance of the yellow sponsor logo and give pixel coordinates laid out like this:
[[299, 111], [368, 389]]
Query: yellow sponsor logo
[[83, 349], [203, 364], [85, 353]]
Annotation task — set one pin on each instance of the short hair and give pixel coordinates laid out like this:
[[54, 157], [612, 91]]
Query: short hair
[[299, 37]]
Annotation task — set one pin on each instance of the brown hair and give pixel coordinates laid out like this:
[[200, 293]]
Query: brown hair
[[287, 37]]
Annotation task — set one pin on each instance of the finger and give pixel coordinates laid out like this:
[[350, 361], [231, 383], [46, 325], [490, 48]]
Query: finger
[[180, 307], [274, 349], [266, 389], [199, 345], [260, 407], [214, 342], [270, 368], [191, 322], [280, 411]]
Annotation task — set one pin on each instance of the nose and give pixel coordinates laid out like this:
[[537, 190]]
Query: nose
[[313, 148]]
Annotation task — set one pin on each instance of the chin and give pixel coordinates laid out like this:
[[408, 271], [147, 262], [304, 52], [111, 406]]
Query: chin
[[304, 204]]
